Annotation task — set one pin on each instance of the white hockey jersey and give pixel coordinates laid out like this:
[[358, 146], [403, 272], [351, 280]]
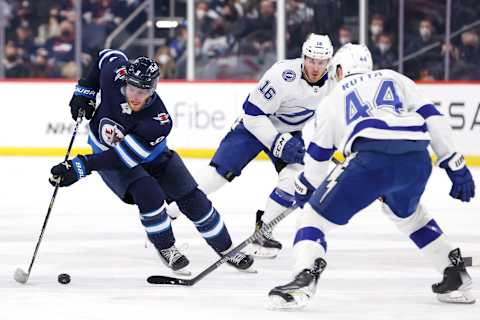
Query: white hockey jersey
[[381, 104], [282, 102]]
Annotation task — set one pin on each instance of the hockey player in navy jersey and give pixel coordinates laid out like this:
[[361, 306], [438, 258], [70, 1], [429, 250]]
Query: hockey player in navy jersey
[[128, 135], [383, 125], [274, 113]]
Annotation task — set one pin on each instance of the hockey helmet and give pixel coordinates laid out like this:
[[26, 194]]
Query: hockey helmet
[[143, 73], [317, 46], [353, 58]]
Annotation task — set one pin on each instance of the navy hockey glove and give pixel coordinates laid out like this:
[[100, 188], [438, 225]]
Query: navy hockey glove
[[84, 98], [303, 190], [463, 187], [68, 172], [288, 148]]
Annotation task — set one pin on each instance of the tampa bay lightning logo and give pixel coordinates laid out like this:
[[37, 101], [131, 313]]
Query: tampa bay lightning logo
[[110, 132], [289, 75]]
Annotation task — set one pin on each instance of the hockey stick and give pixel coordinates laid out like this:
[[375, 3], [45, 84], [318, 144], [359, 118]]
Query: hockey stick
[[20, 275], [157, 279]]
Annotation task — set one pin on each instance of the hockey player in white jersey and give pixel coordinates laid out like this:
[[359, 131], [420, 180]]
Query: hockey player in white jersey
[[274, 113], [383, 125]]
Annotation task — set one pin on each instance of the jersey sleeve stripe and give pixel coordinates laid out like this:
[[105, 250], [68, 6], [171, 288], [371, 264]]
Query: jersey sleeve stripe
[[159, 148], [252, 110], [108, 53], [96, 146], [318, 153], [428, 110], [127, 160], [131, 143]]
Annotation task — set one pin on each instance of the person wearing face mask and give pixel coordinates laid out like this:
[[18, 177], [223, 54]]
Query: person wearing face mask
[[432, 59], [469, 57], [383, 53], [376, 27], [344, 36], [166, 63]]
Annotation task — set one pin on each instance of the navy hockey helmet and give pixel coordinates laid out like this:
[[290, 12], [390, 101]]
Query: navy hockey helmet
[[143, 73]]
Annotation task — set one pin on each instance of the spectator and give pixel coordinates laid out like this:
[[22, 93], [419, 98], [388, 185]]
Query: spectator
[[299, 25], [470, 48], [469, 57], [257, 34], [166, 63], [179, 44], [62, 46], [14, 64], [377, 25], [24, 40], [383, 54], [431, 59], [344, 36], [49, 29], [41, 67]]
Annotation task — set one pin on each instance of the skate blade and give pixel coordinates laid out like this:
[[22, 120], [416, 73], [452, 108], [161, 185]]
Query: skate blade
[[263, 253], [249, 270], [277, 303], [457, 296]]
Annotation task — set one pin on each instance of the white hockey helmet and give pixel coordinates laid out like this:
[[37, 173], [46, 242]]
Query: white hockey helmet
[[317, 46], [353, 58]]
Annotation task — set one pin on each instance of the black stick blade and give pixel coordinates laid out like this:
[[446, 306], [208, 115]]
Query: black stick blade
[[169, 281]]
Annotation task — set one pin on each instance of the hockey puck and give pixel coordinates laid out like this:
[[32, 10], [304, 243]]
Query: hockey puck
[[64, 278]]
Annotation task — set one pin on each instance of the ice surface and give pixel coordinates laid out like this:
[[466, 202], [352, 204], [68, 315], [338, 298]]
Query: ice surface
[[374, 272]]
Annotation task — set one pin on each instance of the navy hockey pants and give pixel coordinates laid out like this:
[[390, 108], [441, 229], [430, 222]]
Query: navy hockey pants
[[237, 149]]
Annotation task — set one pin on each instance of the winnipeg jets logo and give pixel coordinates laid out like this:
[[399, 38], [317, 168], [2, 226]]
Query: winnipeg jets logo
[[120, 73], [125, 108], [111, 133], [163, 118]]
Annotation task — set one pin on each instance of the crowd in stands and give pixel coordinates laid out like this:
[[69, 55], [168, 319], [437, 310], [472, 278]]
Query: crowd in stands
[[235, 39]]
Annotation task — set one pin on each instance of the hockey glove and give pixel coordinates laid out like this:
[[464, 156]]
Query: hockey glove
[[68, 172], [288, 148], [84, 98], [463, 187], [303, 190]]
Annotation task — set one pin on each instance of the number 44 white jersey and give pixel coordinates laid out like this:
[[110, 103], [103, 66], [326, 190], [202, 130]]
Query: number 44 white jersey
[[282, 102], [381, 104]]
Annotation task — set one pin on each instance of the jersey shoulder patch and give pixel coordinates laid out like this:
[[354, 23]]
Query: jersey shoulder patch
[[289, 75]]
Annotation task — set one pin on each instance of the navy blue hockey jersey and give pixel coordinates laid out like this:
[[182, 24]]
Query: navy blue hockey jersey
[[135, 137]]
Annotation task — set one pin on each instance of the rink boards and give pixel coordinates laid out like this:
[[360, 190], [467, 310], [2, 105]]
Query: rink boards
[[36, 118]]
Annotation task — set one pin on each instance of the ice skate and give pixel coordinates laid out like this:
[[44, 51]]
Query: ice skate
[[297, 294], [175, 260], [240, 261], [456, 284], [265, 246]]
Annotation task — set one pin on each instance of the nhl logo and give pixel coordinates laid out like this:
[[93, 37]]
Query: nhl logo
[[163, 118]]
